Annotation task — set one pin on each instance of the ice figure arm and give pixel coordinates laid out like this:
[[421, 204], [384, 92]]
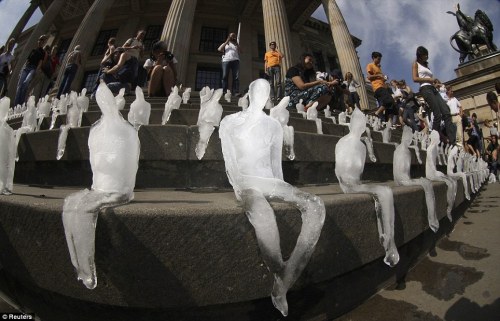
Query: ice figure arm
[[417, 153], [369, 145], [229, 155]]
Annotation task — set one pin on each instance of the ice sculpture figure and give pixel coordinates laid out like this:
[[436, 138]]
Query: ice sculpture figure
[[83, 101], [328, 114], [369, 144], [114, 157], [386, 133], [59, 108], [140, 110], [301, 108], [173, 102], [243, 102], [7, 150], [401, 171], [43, 110], [120, 99], [29, 123], [281, 114], [227, 96], [251, 145], [453, 160], [209, 116], [73, 120], [433, 174], [312, 114], [343, 119], [350, 155], [186, 95]]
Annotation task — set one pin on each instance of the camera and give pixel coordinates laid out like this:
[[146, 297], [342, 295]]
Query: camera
[[168, 55]]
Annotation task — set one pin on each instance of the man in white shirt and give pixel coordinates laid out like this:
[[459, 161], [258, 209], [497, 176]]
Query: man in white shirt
[[456, 112]]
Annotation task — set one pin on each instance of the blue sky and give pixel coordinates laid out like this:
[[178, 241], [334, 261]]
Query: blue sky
[[394, 27]]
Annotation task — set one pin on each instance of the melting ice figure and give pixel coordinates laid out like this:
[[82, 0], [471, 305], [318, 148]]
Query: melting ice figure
[[73, 120], [186, 95], [43, 110], [328, 114], [301, 108], [401, 171], [114, 157], [350, 155], [7, 149], [453, 160], [209, 116], [312, 114], [120, 99], [227, 96], [140, 110], [251, 145], [173, 102], [281, 114], [29, 123], [433, 174]]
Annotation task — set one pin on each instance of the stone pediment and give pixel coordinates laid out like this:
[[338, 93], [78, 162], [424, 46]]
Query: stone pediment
[[74, 9]]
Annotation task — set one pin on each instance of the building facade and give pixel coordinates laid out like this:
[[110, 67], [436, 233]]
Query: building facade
[[194, 29]]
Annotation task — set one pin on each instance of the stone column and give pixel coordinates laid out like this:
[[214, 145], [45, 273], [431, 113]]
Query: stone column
[[86, 36], [348, 57], [24, 19], [43, 26], [277, 29], [177, 33]]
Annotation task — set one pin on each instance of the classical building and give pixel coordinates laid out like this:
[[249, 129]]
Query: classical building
[[194, 29]]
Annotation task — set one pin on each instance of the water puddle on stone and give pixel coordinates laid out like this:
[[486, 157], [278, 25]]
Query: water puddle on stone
[[477, 211], [443, 281], [466, 251]]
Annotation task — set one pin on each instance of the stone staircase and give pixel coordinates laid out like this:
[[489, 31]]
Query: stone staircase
[[183, 248]]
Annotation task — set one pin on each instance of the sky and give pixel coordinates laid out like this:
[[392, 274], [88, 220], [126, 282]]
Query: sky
[[393, 27], [397, 28]]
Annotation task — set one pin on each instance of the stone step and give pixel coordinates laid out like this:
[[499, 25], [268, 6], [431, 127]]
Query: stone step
[[195, 255]]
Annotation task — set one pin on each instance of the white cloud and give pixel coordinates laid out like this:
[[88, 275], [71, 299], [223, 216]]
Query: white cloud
[[10, 13]]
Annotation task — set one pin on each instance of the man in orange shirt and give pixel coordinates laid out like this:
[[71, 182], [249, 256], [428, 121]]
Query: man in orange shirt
[[382, 92], [272, 66]]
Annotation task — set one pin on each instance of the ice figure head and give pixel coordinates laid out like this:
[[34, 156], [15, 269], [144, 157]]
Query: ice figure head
[[4, 108], [280, 112], [357, 126], [434, 136], [258, 93], [106, 101], [407, 137]]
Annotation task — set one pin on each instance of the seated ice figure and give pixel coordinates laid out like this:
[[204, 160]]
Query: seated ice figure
[[114, 158], [120, 99], [73, 120], [208, 118], [453, 160], [433, 174], [186, 95], [59, 107], [227, 96], [386, 133], [29, 123], [312, 114], [350, 155], [301, 108], [83, 101], [401, 170], [140, 110], [251, 145], [243, 102], [43, 110], [7, 150], [343, 119], [328, 114], [173, 102], [281, 114]]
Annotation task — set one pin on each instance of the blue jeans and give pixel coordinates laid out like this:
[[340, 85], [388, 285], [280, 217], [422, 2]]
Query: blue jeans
[[69, 75], [275, 80], [440, 110], [25, 78], [235, 69]]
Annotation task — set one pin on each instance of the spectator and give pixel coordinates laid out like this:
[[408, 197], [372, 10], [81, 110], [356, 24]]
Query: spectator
[[456, 112], [492, 100], [231, 61], [492, 154], [352, 85], [5, 67], [472, 145], [301, 83], [54, 63], [134, 48], [106, 62], [41, 82], [163, 73], [382, 92], [440, 110], [72, 64], [272, 67], [120, 73], [31, 66]]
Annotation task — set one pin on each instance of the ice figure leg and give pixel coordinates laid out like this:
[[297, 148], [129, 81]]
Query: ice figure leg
[[289, 138], [61, 144], [79, 216], [430, 200], [319, 126], [384, 197], [205, 131], [7, 161]]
